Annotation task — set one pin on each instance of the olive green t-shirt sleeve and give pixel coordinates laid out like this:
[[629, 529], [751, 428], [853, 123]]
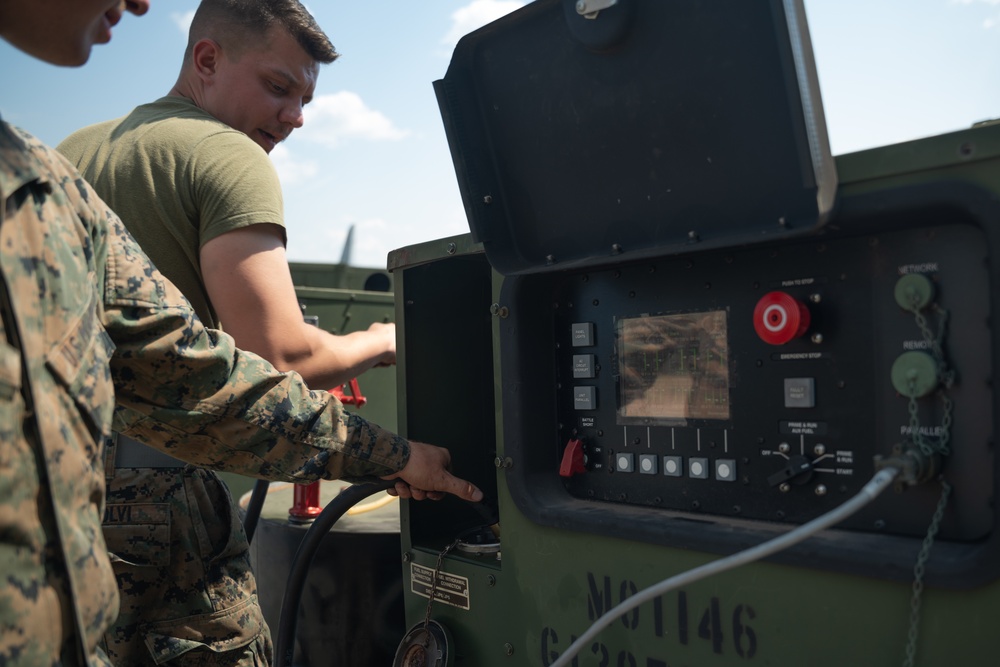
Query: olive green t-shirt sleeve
[[231, 184]]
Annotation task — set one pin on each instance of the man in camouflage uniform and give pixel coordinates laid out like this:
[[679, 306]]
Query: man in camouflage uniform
[[190, 176], [87, 321]]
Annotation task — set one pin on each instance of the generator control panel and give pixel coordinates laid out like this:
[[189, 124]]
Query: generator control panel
[[709, 399], [760, 383]]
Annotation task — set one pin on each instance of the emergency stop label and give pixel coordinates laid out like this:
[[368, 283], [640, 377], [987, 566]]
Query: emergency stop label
[[449, 589]]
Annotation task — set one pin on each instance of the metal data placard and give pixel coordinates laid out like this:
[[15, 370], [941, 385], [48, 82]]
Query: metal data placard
[[646, 127]]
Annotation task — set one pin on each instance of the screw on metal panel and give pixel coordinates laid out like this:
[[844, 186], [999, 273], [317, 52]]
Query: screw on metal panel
[[406, 556], [968, 148], [550, 259], [785, 488], [494, 309], [816, 338], [782, 222], [819, 450], [498, 462], [491, 580], [815, 297], [503, 312], [616, 249], [508, 648], [693, 236], [821, 490], [452, 248], [488, 199]]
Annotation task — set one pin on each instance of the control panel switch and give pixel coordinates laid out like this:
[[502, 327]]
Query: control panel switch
[[572, 459]]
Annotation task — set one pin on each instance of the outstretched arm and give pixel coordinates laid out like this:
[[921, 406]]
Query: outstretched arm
[[248, 281]]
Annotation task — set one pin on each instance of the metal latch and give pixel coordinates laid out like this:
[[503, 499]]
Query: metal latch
[[589, 9]]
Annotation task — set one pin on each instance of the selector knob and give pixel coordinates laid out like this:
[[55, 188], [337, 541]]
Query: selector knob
[[779, 318]]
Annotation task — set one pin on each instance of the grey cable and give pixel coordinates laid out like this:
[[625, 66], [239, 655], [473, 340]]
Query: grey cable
[[868, 493]]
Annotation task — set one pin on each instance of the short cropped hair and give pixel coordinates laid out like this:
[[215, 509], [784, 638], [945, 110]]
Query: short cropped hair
[[237, 24]]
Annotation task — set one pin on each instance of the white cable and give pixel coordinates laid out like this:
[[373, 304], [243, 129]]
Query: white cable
[[871, 490]]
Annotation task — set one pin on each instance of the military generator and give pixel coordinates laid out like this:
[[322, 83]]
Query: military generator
[[730, 398]]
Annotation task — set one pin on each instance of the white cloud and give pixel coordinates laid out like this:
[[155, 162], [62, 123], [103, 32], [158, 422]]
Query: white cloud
[[331, 119], [989, 22], [183, 21], [477, 14], [291, 169]]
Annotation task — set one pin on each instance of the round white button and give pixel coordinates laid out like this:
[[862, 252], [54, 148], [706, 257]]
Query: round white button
[[696, 468]]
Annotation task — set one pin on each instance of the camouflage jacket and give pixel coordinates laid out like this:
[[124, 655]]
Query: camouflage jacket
[[87, 323]]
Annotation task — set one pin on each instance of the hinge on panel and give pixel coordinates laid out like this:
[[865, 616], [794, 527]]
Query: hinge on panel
[[589, 9]]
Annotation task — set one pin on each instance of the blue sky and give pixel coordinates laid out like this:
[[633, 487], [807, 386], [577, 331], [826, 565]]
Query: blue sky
[[373, 152]]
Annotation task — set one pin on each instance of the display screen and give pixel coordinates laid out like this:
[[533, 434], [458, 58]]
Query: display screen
[[673, 367]]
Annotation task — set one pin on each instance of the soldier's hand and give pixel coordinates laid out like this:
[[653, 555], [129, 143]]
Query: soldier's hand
[[428, 475], [386, 333]]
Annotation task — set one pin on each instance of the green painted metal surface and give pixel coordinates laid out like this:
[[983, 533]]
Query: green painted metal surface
[[550, 584]]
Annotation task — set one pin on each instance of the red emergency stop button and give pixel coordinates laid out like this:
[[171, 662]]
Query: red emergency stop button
[[779, 317]]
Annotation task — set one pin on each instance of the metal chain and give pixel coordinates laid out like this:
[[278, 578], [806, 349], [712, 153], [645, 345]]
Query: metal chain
[[434, 584], [918, 575], [936, 345]]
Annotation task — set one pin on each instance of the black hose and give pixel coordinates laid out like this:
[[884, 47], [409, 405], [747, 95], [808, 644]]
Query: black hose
[[284, 645], [254, 507]]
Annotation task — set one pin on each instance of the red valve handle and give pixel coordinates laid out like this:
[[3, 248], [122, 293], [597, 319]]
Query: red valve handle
[[354, 398]]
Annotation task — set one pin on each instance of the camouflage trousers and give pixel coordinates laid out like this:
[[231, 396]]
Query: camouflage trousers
[[182, 562]]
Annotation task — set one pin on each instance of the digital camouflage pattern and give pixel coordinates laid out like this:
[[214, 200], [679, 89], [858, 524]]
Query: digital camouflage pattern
[[88, 323], [181, 558], [207, 179]]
